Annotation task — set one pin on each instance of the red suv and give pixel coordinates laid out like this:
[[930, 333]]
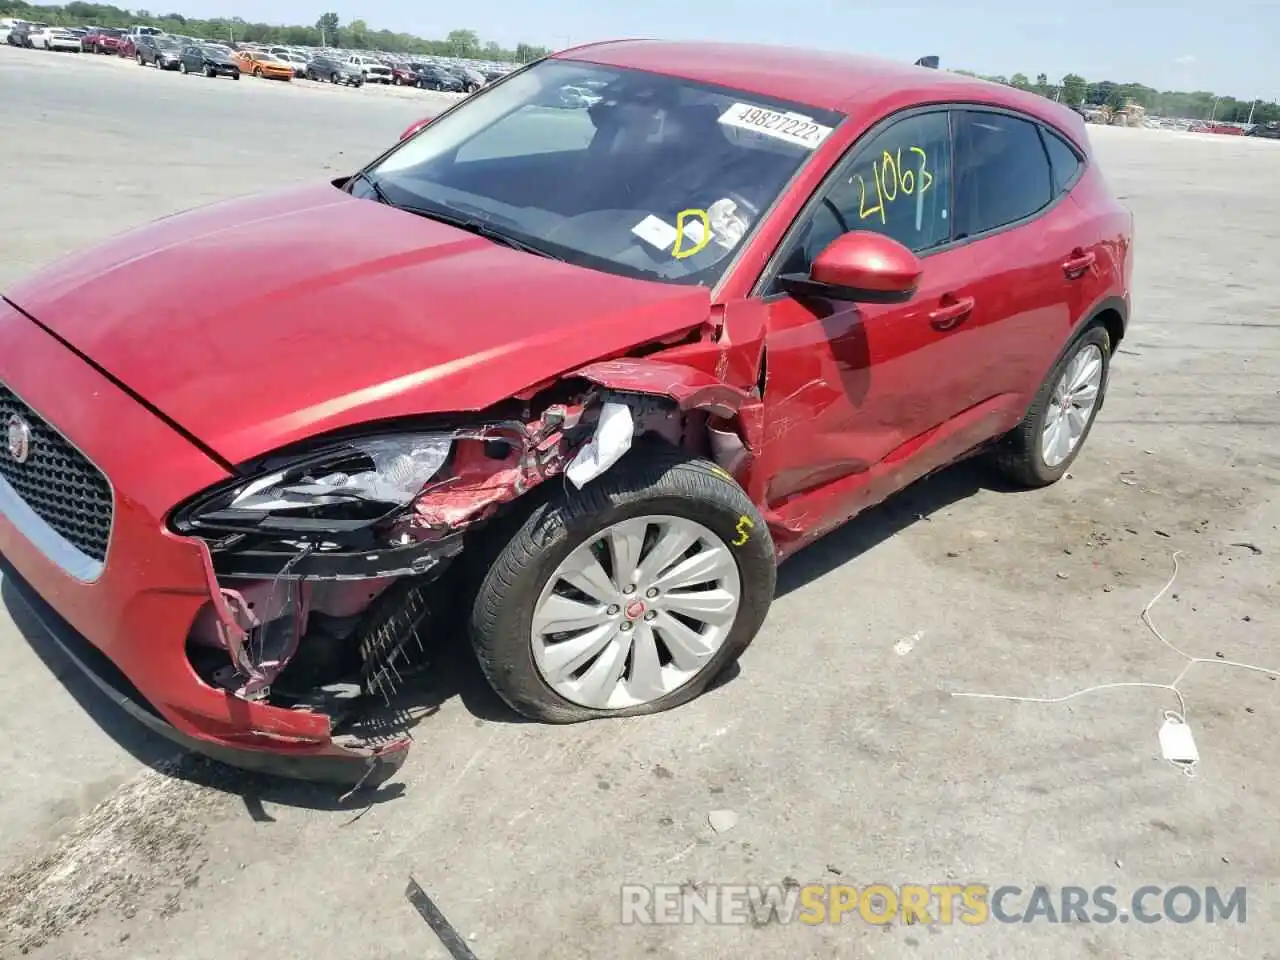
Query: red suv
[[577, 376], [101, 40]]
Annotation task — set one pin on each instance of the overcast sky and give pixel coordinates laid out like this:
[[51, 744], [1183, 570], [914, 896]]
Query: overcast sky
[[1228, 46]]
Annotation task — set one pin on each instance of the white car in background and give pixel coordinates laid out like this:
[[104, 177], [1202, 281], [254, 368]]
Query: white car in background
[[56, 38], [375, 71]]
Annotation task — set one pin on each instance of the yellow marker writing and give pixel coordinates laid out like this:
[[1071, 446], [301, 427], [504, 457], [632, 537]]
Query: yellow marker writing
[[745, 526], [701, 215]]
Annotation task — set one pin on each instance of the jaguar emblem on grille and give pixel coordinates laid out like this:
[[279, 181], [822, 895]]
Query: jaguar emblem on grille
[[19, 439]]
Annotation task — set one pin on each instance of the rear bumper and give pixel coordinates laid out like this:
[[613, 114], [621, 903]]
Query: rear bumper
[[137, 612]]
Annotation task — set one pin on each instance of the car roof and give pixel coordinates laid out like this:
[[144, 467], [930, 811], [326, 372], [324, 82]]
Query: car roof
[[846, 82]]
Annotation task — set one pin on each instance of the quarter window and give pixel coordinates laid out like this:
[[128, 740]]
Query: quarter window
[[1064, 161], [898, 184], [1002, 173]]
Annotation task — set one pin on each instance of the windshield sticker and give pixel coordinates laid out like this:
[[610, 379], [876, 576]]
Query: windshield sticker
[[658, 233], [792, 127]]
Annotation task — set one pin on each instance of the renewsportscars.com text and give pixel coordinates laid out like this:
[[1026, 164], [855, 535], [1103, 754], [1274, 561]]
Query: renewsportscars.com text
[[969, 904]]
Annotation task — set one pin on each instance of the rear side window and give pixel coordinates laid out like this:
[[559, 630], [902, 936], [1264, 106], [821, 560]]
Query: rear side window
[[1064, 161], [1002, 173]]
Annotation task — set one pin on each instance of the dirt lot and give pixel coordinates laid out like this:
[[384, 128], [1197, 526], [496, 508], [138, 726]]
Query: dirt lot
[[838, 746]]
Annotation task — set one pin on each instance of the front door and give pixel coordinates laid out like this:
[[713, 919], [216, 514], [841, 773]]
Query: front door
[[854, 389]]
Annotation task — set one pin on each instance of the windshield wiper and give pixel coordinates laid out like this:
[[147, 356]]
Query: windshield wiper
[[484, 228], [375, 187], [477, 225]]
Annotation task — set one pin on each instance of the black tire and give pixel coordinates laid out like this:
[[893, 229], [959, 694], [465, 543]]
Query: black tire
[[141, 61], [1019, 456], [235, 76], [182, 67], [652, 480], [333, 78]]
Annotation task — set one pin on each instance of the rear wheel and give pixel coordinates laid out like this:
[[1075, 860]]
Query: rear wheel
[[257, 71], [1040, 449], [141, 61], [628, 597]]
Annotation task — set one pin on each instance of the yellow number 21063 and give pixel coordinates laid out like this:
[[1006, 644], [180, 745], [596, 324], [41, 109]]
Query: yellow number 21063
[[892, 179]]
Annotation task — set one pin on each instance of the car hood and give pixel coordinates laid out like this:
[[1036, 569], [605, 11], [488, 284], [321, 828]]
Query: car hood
[[258, 322]]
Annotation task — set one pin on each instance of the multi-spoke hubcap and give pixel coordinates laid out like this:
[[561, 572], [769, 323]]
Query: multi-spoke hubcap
[[1072, 405], [635, 612]]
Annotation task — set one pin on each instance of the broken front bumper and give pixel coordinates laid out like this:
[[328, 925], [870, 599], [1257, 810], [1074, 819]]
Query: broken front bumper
[[127, 618]]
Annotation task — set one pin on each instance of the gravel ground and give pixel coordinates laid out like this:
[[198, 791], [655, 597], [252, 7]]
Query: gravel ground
[[837, 748]]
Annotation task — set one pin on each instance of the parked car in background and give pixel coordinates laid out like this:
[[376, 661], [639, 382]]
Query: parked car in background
[[211, 60], [432, 76], [7, 25], [295, 60], [1269, 130], [405, 74], [266, 65], [333, 70], [20, 35], [160, 51], [472, 80], [57, 38], [375, 71], [101, 40]]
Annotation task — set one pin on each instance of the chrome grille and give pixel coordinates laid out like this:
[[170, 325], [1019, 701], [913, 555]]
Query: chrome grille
[[57, 481]]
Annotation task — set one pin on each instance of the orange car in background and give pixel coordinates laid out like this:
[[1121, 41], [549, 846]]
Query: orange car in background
[[264, 65]]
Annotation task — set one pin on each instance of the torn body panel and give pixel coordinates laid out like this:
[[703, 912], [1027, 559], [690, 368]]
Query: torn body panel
[[329, 621]]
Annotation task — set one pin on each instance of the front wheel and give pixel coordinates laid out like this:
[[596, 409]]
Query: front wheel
[[257, 72], [141, 61], [1040, 449], [333, 78], [628, 597], [182, 67]]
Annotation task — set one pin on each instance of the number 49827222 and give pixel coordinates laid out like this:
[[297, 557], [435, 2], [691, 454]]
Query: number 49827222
[[894, 178]]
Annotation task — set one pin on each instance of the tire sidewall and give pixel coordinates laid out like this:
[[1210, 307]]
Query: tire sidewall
[[1095, 335], [556, 529]]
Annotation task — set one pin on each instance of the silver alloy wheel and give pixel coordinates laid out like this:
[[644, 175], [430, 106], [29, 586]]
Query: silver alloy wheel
[[635, 612], [1072, 405]]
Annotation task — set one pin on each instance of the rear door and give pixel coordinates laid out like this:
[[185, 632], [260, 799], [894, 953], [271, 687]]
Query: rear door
[[1018, 231]]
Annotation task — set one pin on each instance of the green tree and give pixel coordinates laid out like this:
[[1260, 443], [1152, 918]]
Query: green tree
[[358, 33], [327, 26], [1074, 89], [463, 43], [1020, 81]]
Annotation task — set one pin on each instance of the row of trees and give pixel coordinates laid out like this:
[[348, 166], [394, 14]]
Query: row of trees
[[327, 31], [1197, 105]]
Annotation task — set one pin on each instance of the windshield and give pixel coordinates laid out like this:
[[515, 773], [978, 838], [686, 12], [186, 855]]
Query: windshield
[[652, 176]]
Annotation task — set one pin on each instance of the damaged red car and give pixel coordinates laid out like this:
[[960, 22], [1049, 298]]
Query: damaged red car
[[569, 373]]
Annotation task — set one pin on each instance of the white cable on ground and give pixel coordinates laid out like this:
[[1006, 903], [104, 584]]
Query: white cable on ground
[[1181, 715]]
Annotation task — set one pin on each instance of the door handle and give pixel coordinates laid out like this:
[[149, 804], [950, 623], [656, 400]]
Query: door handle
[[1080, 261], [952, 312]]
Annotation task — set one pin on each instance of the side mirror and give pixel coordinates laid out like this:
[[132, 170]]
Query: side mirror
[[861, 267], [413, 128]]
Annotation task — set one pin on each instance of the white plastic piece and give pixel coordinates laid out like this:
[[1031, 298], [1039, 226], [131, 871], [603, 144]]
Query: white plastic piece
[[1176, 742], [612, 440]]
